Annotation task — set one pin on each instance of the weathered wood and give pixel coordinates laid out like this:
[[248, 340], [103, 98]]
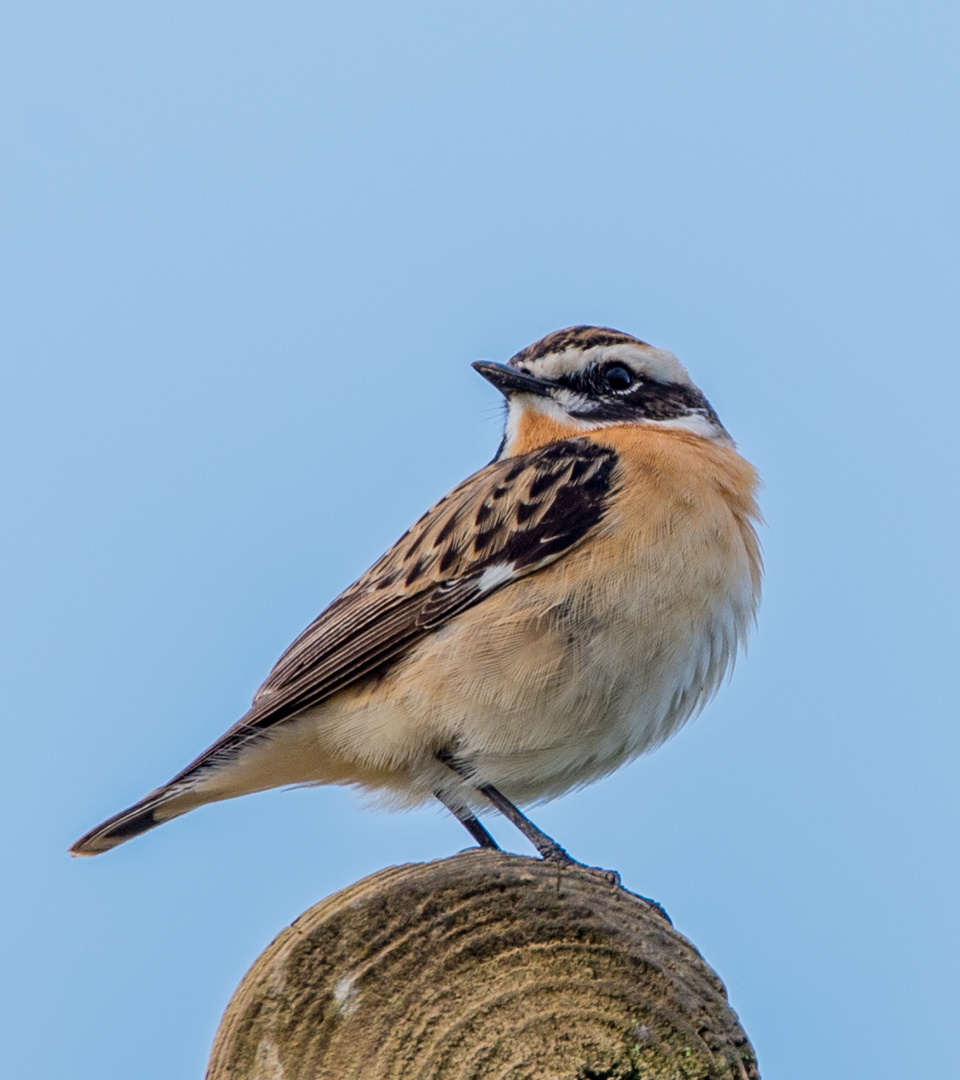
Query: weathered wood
[[481, 965]]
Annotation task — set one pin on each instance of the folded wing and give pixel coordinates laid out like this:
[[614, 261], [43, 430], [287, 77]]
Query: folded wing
[[508, 520]]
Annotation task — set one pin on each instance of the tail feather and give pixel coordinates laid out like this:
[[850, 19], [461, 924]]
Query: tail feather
[[156, 808]]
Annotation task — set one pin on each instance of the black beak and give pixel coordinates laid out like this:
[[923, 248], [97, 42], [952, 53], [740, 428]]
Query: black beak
[[510, 380]]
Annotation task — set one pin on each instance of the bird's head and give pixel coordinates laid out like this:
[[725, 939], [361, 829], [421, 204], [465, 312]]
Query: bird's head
[[587, 377]]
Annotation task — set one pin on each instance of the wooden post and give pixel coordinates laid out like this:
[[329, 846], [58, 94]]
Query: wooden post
[[482, 965]]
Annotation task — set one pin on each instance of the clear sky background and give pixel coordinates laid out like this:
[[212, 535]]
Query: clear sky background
[[249, 251]]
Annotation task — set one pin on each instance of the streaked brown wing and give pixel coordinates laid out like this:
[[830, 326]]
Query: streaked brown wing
[[509, 519]]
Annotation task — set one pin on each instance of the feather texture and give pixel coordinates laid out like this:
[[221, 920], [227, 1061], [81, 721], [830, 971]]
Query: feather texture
[[504, 522], [559, 612]]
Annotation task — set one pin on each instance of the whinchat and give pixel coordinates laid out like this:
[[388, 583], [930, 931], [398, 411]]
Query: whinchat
[[561, 611]]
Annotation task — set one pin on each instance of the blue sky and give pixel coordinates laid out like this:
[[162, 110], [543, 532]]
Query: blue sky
[[248, 252]]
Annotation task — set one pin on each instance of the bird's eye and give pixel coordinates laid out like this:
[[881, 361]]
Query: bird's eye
[[617, 377]]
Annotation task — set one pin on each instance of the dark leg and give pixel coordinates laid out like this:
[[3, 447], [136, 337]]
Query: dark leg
[[470, 823], [548, 848]]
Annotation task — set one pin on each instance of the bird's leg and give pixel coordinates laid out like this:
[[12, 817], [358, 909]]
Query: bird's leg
[[469, 822], [548, 848]]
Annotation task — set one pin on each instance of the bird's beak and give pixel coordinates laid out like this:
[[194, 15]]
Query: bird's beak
[[510, 380]]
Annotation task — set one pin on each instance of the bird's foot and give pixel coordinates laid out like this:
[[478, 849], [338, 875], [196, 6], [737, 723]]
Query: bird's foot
[[556, 854]]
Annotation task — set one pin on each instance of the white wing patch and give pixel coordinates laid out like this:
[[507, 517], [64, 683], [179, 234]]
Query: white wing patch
[[495, 575]]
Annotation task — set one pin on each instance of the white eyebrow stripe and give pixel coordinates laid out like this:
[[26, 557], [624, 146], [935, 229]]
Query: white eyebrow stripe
[[645, 360]]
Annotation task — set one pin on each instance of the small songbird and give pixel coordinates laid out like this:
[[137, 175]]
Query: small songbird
[[561, 611]]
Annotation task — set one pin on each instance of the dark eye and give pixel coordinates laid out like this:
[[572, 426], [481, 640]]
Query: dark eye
[[617, 377]]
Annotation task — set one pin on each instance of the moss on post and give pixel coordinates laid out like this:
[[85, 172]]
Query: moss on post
[[481, 965]]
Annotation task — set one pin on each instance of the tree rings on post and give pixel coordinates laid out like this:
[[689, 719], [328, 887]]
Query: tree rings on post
[[482, 965]]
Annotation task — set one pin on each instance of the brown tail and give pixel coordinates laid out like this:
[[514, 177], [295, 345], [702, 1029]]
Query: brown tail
[[156, 808]]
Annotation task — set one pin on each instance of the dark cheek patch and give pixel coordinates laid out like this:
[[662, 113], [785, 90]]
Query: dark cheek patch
[[665, 401], [648, 400]]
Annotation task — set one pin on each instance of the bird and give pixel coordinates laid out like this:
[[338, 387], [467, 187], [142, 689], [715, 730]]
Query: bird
[[563, 610]]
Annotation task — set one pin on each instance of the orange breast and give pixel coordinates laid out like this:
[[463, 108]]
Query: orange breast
[[687, 463], [534, 428]]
